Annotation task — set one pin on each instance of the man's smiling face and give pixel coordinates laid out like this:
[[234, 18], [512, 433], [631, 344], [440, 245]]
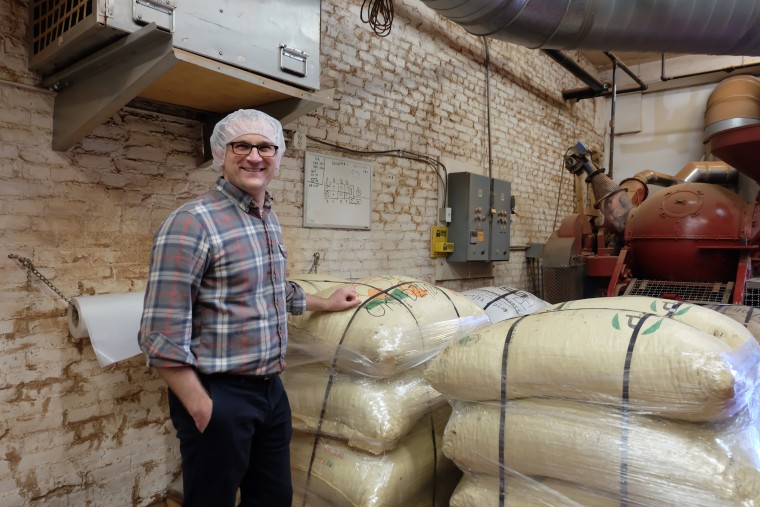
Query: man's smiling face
[[250, 173]]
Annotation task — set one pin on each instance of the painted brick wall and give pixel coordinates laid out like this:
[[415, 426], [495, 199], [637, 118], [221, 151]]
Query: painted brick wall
[[72, 433]]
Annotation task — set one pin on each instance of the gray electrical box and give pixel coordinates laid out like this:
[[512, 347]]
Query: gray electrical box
[[480, 217], [501, 211]]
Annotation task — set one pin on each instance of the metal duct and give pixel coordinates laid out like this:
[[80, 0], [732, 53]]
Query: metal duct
[[714, 171], [710, 171], [718, 27]]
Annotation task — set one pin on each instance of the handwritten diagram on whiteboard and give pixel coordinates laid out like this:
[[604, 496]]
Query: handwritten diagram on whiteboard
[[337, 192]]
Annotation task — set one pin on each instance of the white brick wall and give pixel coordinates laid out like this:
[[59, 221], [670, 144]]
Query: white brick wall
[[73, 433]]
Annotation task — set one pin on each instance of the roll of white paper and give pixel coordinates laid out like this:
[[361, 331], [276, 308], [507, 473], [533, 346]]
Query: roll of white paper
[[112, 322]]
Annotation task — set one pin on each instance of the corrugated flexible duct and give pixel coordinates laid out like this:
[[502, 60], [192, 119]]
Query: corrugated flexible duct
[[719, 27]]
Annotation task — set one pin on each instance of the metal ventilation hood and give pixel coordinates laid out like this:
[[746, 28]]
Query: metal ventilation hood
[[717, 27], [196, 59]]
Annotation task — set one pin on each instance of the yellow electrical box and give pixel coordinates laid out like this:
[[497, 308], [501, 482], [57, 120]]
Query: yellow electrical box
[[439, 241]]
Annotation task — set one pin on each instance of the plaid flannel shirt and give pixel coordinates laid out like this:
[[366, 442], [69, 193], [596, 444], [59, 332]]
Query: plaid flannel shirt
[[217, 298]]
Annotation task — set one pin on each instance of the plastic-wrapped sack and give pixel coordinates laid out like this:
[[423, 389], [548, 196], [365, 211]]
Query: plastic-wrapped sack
[[313, 283], [371, 414], [327, 473], [641, 460], [478, 490], [503, 303], [649, 363], [747, 316], [720, 326], [401, 323]]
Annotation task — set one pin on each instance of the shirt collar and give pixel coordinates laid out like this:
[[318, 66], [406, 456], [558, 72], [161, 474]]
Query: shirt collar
[[242, 199]]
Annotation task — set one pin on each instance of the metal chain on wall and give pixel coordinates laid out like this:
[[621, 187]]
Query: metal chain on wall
[[31, 270]]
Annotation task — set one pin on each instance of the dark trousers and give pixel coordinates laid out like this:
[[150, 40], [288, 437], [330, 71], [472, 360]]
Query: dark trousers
[[246, 444]]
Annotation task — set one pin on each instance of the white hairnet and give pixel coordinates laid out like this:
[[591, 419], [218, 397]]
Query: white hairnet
[[241, 122]]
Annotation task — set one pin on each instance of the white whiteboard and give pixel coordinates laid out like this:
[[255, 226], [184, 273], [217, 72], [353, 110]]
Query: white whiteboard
[[337, 192]]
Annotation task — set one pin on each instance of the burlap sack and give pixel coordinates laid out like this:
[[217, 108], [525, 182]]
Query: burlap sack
[[503, 303], [649, 460], [478, 490], [371, 414], [747, 316], [401, 323], [313, 282], [722, 327], [648, 363], [414, 473]]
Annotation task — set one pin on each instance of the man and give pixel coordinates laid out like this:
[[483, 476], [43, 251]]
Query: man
[[214, 323]]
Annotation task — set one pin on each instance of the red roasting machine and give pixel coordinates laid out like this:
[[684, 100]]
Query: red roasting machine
[[695, 239]]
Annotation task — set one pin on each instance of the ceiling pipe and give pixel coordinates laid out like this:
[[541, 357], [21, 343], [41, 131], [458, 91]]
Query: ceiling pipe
[[616, 61], [588, 93], [728, 70], [613, 102], [594, 85], [716, 27]]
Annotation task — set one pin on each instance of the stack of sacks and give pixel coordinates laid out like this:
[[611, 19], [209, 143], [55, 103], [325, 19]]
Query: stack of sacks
[[503, 303], [401, 323], [312, 283], [368, 413], [748, 316], [367, 425], [635, 400], [329, 473], [633, 459]]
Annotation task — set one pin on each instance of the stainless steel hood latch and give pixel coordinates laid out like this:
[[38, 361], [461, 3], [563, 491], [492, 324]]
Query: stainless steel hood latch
[[160, 12], [293, 60]]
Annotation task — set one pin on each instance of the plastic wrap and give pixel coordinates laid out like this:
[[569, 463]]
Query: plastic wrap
[[566, 406], [478, 490], [401, 323], [312, 283], [645, 362], [363, 413], [371, 414], [503, 303], [327, 473], [722, 327], [638, 459], [388, 351], [747, 316]]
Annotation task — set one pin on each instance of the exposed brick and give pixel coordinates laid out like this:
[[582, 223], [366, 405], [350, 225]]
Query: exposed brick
[[86, 217]]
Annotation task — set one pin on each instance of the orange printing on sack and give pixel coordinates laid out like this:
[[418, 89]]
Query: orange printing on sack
[[378, 297]]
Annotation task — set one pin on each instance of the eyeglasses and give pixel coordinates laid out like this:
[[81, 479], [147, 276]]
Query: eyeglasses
[[241, 148]]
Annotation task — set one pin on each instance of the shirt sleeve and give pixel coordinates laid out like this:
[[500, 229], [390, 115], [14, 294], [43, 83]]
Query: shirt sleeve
[[295, 298], [178, 260]]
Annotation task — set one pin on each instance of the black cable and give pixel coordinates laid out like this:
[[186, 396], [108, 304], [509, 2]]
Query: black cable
[[445, 185], [379, 15], [559, 192], [409, 155], [487, 66]]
